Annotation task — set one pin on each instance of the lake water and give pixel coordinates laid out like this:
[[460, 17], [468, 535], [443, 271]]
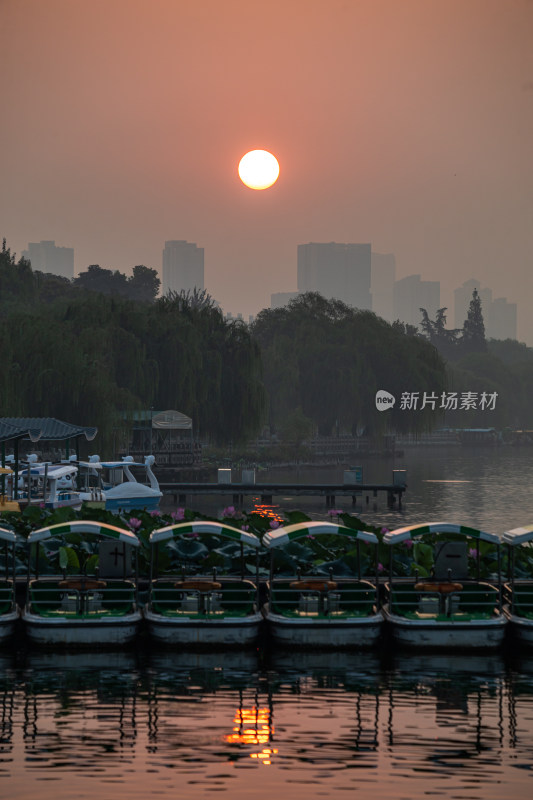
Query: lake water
[[147, 722]]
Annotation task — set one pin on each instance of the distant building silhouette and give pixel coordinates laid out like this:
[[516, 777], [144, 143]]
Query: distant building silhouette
[[46, 257], [411, 294], [183, 267], [499, 316], [383, 277], [502, 323], [280, 299], [340, 271]]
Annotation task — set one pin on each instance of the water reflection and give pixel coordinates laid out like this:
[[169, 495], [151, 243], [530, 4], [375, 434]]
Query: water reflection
[[168, 722]]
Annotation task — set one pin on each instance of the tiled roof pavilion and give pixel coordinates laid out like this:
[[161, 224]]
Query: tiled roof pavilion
[[45, 428]]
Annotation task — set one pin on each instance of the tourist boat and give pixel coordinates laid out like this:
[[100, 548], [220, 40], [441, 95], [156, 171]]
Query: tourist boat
[[328, 606], [76, 608], [48, 485], [9, 611], [186, 606], [518, 592], [113, 485], [448, 610], [6, 491]]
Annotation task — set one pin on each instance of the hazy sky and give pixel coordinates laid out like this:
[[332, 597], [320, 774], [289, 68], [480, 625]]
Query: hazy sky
[[404, 123]]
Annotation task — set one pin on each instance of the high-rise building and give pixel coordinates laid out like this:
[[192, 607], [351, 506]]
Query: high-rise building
[[183, 267], [502, 323], [340, 271], [411, 294], [382, 285], [280, 299], [46, 257]]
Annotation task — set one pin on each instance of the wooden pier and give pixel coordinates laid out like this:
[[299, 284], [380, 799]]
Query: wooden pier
[[266, 492]]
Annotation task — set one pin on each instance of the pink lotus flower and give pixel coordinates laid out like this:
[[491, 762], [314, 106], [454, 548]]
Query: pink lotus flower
[[334, 512], [178, 515], [472, 552], [134, 523], [274, 523], [155, 513], [245, 527], [380, 567], [229, 511], [384, 530]]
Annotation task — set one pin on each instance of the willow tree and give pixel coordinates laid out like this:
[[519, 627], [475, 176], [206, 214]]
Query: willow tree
[[335, 358]]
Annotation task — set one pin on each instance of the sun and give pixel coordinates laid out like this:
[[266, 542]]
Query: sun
[[258, 169]]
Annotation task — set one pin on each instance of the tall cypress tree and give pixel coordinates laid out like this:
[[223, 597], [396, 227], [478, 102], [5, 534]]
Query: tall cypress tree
[[473, 340]]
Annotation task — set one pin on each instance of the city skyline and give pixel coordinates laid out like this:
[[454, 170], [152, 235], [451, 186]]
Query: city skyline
[[359, 277], [404, 125]]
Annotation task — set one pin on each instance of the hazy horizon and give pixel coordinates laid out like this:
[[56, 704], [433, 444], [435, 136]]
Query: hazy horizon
[[406, 125]]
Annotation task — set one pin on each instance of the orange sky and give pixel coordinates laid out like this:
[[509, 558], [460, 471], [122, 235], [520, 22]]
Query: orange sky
[[405, 124]]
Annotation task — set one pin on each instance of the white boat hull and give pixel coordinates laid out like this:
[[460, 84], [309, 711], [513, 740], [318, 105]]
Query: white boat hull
[[7, 624], [521, 628], [70, 632], [482, 634], [351, 632], [227, 631]]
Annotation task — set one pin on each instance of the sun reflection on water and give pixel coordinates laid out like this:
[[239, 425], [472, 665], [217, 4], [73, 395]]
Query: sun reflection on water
[[252, 726]]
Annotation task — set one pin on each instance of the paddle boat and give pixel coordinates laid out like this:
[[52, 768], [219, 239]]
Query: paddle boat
[[9, 612], [48, 485], [189, 606], [518, 592], [321, 606], [6, 491], [448, 608], [93, 603], [113, 485]]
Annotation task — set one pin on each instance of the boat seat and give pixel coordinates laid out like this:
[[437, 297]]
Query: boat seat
[[284, 599], [45, 596], [118, 597]]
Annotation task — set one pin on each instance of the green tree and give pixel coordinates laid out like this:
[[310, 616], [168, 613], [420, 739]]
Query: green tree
[[444, 339], [144, 284], [105, 281], [330, 360], [473, 338]]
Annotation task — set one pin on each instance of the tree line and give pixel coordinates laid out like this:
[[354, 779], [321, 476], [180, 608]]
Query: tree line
[[88, 352], [477, 364]]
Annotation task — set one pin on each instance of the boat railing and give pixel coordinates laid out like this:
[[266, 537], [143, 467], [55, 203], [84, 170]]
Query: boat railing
[[7, 600], [433, 598], [322, 597], [80, 596], [207, 598], [520, 597]]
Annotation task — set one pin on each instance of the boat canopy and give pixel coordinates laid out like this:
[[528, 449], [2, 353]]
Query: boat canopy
[[421, 529], [284, 535], [518, 535], [7, 536], [84, 526], [200, 526]]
